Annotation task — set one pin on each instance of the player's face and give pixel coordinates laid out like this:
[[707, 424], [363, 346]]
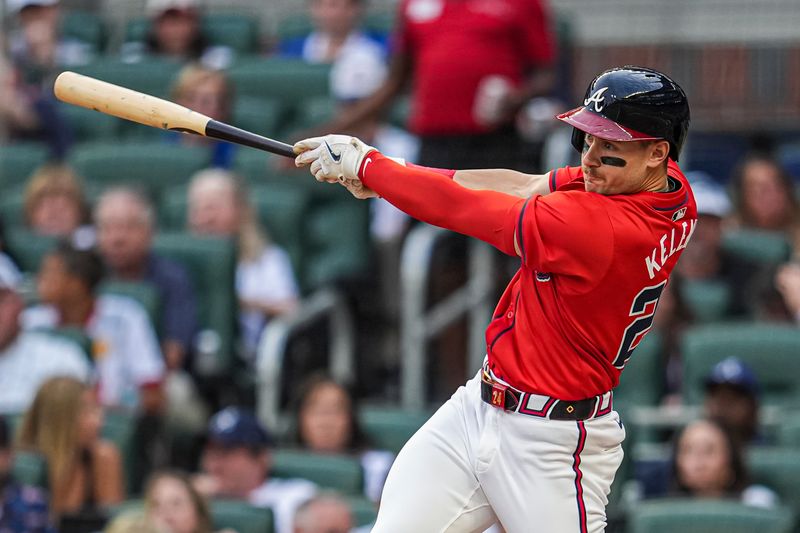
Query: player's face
[[613, 167], [703, 460]]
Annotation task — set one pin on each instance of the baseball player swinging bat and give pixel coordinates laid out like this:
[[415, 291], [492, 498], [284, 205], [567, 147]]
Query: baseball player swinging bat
[[145, 109]]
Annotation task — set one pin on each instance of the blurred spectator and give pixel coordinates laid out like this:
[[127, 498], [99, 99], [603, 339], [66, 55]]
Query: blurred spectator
[[765, 196], [176, 32], [209, 92], [265, 282], [38, 48], [464, 102], [732, 393], [787, 282], [172, 503], [704, 258], [125, 221], [128, 361], [326, 513], [326, 421], [63, 424], [23, 509], [336, 34], [29, 358], [17, 113], [708, 462], [236, 464], [55, 205], [772, 292]]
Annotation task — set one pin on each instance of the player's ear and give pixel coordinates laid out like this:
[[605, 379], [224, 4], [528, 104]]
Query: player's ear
[[657, 153]]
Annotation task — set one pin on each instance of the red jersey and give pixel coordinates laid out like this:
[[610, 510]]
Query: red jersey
[[454, 44], [593, 268]]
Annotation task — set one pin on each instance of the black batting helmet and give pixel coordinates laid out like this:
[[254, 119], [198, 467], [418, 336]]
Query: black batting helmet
[[632, 104]]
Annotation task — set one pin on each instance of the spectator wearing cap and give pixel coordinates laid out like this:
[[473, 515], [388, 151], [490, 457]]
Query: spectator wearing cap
[[29, 358], [732, 393], [704, 258], [23, 509], [236, 463], [176, 32]]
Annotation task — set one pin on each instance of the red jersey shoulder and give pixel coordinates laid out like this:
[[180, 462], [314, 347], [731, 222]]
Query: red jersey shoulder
[[560, 177]]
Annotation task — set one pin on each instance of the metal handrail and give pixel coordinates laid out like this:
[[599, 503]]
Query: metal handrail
[[325, 303], [418, 325]]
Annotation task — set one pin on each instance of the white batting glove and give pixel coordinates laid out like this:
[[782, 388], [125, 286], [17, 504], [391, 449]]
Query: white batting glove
[[332, 157]]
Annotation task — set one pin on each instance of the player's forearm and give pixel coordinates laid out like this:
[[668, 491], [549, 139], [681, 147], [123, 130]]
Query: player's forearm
[[503, 180], [436, 199]]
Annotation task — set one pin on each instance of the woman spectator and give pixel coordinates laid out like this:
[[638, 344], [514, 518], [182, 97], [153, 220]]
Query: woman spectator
[[63, 424], [55, 205], [265, 282], [173, 504], [209, 92], [765, 197], [326, 421], [708, 462]]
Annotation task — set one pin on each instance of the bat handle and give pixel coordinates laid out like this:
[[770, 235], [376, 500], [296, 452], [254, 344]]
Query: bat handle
[[226, 132]]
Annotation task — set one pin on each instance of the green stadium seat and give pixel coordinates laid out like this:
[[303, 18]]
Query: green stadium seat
[[149, 165], [211, 262], [237, 31], [296, 25], [778, 469], [142, 292], [312, 112], [365, 511], [708, 301], [29, 468], [339, 472], [288, 80], [89, 125], [12, 206], [258, 115], [151, 75], [28, 248], [119, 427], [85, 27], [642, 381], [18, 161], [389, 428], [260, 167], [707, 516], [788, 434], [762, 247], [771, 350], [281, 209]]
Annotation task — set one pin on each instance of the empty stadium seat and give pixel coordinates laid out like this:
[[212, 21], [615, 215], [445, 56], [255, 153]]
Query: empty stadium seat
[[709, 301], [18, 161], [152, 75], [148, 165], [28, 248], [339, 472], [258, 115], [762, 247], [706, 516], [389, 428], [289, 80], [211, 262], [642, 381], [85, 27], [770, 349], [89, 125]]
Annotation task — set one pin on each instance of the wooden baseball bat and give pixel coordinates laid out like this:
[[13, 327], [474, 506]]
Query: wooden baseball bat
[[145, 109]]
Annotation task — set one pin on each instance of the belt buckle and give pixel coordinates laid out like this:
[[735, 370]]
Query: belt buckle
[[498, 395]]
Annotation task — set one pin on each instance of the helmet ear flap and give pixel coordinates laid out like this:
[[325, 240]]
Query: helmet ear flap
[[578, 138]]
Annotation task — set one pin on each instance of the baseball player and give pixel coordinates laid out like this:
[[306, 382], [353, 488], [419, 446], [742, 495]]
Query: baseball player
[[533, 441]]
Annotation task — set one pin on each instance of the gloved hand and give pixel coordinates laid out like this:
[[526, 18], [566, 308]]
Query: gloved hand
[[335, 158]]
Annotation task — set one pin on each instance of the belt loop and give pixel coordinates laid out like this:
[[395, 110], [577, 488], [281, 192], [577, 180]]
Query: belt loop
[[598, 401]]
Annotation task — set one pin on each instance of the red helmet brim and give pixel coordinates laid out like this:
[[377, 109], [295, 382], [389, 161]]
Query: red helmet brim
[[601, 127]]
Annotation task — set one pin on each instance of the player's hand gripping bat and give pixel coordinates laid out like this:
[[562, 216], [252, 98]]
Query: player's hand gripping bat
[[138, 107]]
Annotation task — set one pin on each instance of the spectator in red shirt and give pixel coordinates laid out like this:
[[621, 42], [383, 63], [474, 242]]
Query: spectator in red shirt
[[471, 65]]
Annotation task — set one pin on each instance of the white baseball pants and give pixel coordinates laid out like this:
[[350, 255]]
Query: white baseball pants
[[472, 465]]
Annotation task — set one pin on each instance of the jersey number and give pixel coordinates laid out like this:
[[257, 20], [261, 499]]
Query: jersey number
[[636, 330]]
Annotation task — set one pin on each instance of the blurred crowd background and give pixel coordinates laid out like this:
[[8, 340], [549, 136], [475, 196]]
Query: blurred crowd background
[[196, 337]]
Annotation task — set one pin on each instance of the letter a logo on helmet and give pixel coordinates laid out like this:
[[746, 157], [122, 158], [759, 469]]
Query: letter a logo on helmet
[[632, 104], [597, 98]]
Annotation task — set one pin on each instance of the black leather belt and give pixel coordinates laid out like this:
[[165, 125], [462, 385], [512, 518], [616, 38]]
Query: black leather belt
[[498, 395]]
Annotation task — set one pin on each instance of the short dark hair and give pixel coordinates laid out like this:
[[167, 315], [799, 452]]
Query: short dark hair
[[85, 264]]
